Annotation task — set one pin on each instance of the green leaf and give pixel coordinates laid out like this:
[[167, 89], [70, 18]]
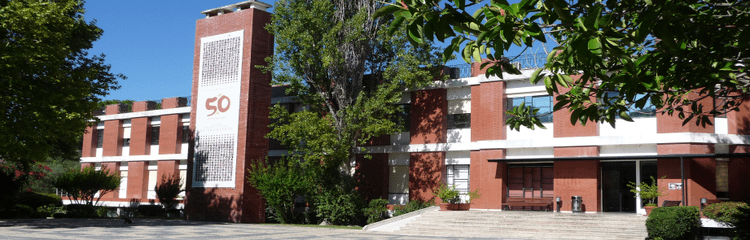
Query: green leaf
[[388, 9], [595, 46]]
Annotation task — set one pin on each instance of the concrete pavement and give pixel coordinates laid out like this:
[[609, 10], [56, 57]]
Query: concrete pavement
[[176, 229]]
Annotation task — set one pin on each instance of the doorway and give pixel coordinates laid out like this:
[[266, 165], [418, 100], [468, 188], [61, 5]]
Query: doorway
[[530, 181], [616, 195]]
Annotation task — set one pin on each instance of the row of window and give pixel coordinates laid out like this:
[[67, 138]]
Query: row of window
[[155, 131]]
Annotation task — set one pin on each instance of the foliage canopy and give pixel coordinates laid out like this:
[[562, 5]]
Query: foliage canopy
[[49, 85], [678, 55]]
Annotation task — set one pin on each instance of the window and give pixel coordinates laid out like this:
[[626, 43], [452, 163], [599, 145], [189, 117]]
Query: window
[[126, 142], [543, 103], [722, 179], [123, 184], [155, 135], [462, 120], [99, 138], [398, 184], [648, 109], [402, 116], [185, 134], [458, 177]]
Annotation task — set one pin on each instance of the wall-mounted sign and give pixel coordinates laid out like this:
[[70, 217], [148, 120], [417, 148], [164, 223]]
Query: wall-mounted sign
[[675, 186], [218, 112]]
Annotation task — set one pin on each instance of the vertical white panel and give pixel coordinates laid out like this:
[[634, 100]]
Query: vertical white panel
[[123, 184], [217, 115], [151, 184]]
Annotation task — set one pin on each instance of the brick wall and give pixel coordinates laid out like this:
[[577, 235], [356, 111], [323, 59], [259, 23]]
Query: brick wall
[[429, 116], [489, 177], [426, 173], [578, 178], [700, 173], [372, 175], [488, 102], [242, 203]]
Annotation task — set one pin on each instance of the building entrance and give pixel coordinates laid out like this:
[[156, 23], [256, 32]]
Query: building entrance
[[616, 195], [531, 181]]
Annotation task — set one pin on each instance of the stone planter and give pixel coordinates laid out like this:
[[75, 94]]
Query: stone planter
[[648, 209]]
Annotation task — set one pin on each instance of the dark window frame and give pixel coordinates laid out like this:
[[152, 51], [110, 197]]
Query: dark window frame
[[461, 120], [155, 131], [99, 138]]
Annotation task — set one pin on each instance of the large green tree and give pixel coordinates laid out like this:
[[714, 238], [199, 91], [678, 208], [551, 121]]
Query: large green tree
[[341, 63], [49, 84], [671, 53]]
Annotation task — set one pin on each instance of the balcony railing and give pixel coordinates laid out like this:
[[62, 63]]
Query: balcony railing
[[522, 62]]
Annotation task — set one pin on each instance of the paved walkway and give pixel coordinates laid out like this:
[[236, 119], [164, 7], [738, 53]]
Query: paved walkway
[[175, 229]]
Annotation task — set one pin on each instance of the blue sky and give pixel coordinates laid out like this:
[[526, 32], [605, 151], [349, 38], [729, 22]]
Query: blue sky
[[152, 43]]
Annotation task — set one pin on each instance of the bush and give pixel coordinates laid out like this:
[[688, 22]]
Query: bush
[[36, 200], [723, 211], [279, 183], [741, 223], [338, 206], [150, 210], [377, 211], [448, 194], [50, 210], [80, 211], [168, 190], [411, 206], [24, 211], [82, 185], [673, 223]]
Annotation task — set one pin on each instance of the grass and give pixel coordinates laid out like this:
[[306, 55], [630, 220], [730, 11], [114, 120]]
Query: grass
[[315, 225]]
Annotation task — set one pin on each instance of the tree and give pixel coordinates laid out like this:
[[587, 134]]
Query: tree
[[677, 55], [341, 63], [169, 188], [280, 183], [83, 185], [49, 85]]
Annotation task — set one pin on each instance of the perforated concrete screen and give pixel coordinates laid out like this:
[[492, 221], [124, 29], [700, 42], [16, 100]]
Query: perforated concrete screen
[[217, 115]]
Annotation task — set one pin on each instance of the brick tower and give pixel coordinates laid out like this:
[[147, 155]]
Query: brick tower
[[229, 116]]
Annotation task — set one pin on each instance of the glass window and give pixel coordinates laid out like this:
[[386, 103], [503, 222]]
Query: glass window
[[462, 120], [185, 134], [126, 142], [398, 181], [99, 138], [458, 177], [543, 103], [155, 135], [722, 179], [648, 109], [402, 116]]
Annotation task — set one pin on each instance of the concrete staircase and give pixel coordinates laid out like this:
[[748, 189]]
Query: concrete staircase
[[526, 225]]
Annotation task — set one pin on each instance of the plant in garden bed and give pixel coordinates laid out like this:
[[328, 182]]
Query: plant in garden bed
[[411, 206], [82, 186], [449, 196], [648, 192], [680, 222], [168, 190], [377, 211], [724, 212]]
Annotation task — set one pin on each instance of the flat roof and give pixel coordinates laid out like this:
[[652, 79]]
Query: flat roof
[[237, 6]]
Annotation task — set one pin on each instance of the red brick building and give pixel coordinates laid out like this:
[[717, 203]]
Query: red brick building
[[457, 135]]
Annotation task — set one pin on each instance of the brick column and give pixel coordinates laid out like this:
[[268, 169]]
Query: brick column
[[578, 178], [89, 142], [372, 175], [429, 116], [425, 175], [140, 136], [112, 167], [488, 102], [137, 180], [739, 183], [170, 130], [489, 177]]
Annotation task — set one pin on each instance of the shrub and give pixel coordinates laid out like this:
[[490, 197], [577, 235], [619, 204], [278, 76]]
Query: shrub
[[647, 191], [24, 211], [150, 210], [36, 200], [279, 183], [411, 206], [83, 185], [168, 190], [80, 211], [377, 211], [448, 194], [50, 210], [741, 223], [723, 211], [338, 206], [673, 223]]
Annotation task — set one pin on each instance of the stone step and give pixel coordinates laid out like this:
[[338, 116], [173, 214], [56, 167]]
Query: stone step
[[527, 225]]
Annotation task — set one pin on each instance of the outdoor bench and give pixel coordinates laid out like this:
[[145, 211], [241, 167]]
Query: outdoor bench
[[544, 202]]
